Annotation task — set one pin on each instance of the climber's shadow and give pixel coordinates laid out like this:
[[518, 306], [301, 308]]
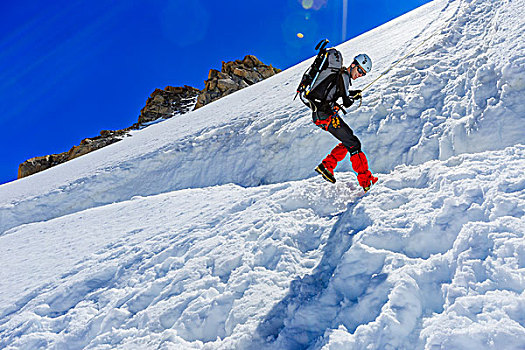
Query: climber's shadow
[[304, 289]]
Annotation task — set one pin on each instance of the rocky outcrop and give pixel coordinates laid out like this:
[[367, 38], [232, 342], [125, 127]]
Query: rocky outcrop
[[234, 76], [37, 164], [164, 104], [167, 103]]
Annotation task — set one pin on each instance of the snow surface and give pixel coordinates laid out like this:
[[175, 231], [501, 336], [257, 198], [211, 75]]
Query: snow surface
[[213, 232]]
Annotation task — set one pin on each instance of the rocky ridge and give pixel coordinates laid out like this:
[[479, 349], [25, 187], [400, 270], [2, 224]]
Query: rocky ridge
[[234, 75], [164, 104]]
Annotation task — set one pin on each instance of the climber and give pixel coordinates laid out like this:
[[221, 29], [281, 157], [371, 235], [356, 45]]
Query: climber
[[332, 81]]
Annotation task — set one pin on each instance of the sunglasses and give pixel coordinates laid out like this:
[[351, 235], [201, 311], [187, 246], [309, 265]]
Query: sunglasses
[[360, 70]]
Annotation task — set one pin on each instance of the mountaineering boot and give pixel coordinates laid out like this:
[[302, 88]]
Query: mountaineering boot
[[325, 173], [360, 166], [373, 180]]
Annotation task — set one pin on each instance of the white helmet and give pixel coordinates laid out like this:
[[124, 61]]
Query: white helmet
[[364, 61]]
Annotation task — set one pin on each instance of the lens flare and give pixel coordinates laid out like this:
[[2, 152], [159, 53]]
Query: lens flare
[[307, 4], [312, 4], [345, 14]]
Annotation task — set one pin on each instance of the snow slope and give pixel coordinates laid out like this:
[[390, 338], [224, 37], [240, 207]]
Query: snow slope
[[460, 92], [211, 231], [310, 265]]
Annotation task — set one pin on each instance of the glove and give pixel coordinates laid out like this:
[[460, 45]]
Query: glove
[[347, 102], [355, 94]]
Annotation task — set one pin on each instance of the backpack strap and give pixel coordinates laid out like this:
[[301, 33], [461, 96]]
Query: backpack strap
[[341, 89]]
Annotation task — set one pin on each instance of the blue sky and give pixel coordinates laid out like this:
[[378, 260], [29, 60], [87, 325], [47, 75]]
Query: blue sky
[[70, 69]]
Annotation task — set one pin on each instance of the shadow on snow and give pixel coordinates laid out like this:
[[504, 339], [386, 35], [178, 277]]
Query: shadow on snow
[[275, 329]]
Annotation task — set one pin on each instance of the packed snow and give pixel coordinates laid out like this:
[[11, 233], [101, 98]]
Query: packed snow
[[212, 231]]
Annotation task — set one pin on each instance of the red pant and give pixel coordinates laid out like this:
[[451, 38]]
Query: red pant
[[337, 155], [331, 122], [358, 160]]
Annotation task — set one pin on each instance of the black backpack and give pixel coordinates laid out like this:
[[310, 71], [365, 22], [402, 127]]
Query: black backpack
[[322, 76]]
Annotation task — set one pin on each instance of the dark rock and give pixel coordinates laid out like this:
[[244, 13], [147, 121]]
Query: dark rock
[[234, 75], [37, 164], [164, 104]]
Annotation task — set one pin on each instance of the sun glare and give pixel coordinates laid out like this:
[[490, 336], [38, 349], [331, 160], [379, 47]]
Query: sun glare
[[307, 4]]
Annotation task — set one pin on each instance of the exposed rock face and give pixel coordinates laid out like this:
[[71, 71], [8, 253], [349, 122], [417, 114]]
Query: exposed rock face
[[164, 104], [167, 103], [36, 164], [234, 76]]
